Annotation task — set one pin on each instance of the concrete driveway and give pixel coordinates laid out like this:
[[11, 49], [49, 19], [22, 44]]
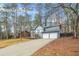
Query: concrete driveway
[[25, 48]]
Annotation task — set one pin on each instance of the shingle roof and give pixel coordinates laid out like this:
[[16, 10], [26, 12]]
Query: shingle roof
[[52, 29]]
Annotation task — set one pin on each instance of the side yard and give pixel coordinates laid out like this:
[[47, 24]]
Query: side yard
[[5, 43], [61, 47]]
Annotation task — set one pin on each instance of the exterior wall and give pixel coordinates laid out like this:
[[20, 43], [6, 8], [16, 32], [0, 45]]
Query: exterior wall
[[33, 34], [39, 31]]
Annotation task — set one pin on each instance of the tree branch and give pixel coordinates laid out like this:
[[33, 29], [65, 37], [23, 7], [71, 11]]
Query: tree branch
[[62, 5]]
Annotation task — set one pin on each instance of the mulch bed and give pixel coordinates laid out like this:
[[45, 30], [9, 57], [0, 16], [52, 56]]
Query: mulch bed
[[66, 46]]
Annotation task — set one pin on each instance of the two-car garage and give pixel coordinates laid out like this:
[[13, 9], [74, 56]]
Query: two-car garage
[[51, 32], [51, 35]]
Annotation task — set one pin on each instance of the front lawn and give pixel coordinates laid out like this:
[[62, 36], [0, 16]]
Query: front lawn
[[61, 47], [5, 43]]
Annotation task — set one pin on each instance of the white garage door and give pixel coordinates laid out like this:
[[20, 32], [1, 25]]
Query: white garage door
[[50, 35], [53, 35], [45, 35]]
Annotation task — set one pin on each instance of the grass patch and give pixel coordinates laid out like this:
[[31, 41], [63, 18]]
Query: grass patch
[[5, 43]]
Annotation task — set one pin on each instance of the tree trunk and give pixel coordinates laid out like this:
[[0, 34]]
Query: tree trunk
[[76, 23], [76, 28], [6, 26]]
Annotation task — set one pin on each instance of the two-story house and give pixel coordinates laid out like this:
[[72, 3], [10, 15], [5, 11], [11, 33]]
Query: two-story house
[[52, 28]]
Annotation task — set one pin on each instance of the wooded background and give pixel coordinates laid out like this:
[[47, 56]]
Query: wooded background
[[14, 22]]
